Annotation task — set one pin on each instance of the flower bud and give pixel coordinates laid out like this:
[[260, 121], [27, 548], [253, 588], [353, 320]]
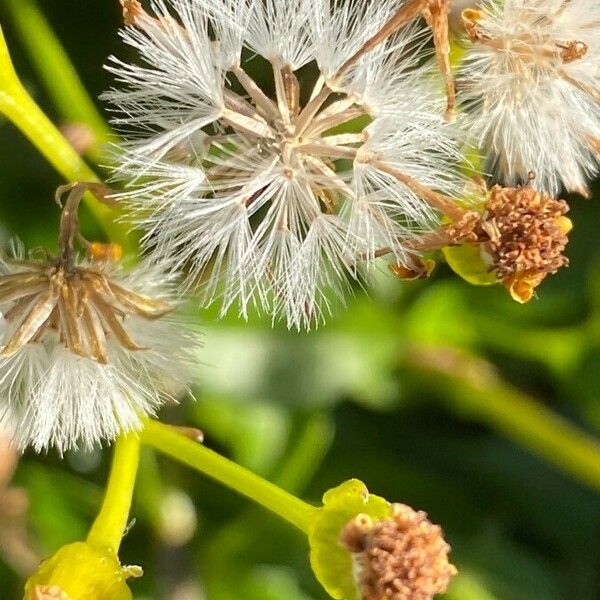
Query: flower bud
[[81, 571], [364, 548]]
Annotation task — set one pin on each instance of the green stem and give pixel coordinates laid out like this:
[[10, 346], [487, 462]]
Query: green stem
[[475, 390], [18, 106], [169, 442], [56, 71], [111, 522]]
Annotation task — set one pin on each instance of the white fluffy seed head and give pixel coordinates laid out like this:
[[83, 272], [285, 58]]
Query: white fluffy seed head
[[278, 200], [531, 84], [54, 397]]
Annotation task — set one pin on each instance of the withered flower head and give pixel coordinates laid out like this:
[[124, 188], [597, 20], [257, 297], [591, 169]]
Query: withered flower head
[[85, 348], [516, 236], [404, 557], [527, 235]]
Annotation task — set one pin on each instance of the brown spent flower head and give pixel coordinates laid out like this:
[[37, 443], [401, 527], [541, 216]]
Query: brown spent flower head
[[79, 301], [401, 558], [527, 235]]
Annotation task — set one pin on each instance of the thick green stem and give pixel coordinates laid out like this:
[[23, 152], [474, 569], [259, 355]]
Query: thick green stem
[[56, 71], [111, 522], [18, 106], [288, 507], [473, 388]]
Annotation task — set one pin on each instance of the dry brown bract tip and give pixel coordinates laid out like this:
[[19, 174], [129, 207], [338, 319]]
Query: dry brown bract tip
[[436, 14], [81, 302], [421, 268], [527, 235], [132, 9], [402, 558]]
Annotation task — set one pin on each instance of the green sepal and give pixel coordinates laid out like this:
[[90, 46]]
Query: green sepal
[[84, 572], [466, 261], [330, 561]]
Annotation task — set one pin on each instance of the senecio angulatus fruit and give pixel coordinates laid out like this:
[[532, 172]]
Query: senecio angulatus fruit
[[87, 348]]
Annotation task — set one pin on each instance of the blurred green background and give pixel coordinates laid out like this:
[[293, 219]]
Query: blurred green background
[[450, 398]]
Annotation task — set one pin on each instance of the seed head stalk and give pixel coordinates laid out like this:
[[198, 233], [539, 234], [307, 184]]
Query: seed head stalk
[[405, 15], [444, 204], [111, 522], [173, 444]]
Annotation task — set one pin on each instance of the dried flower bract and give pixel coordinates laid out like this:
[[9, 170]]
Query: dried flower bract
[[80, 302]]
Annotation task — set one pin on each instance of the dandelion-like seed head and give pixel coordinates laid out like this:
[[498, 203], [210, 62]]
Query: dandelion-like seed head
[[86, 349], [404, 557], [78, 303], [276, 198], [531, 82]]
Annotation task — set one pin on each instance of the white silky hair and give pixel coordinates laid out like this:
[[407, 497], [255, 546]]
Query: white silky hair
[[339, 28], [57, 399], [528, 115], [257, 235], [178, 90]]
